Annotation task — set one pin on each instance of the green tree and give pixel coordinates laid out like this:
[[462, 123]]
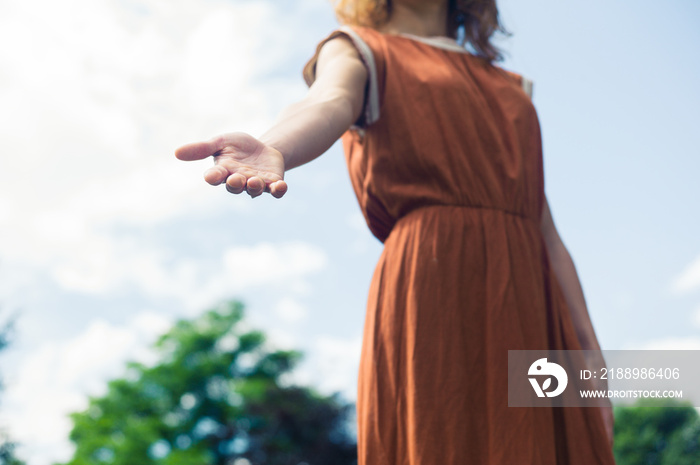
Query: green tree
[[657, 432], [7, 446], [214, 396], [7, 452]]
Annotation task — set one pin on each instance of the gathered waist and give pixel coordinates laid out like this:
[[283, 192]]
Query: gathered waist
[[448, 214], [438, 225], [447, 207]]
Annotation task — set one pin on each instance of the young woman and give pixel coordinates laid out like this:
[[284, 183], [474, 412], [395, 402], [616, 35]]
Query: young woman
[[444, 153]]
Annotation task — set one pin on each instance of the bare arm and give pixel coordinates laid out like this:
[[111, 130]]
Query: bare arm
[[308, 128], [302, 132], [565, 272]]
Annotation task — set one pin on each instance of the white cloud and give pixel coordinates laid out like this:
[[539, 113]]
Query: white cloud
[[268, 262], [102, 266], [330, 364], [271, 267], [278, 338], [56, 378], [689, 279], [220, 60], [96, 95], [290, 310], [337, 365]]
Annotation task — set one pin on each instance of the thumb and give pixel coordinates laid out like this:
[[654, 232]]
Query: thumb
[[199, 150]]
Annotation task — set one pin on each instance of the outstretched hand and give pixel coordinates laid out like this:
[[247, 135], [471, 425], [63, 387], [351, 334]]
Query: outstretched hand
[[242, 162]]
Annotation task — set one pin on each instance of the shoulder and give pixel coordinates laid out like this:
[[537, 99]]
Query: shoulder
[[356, 41], [342, 62], [518, 80], [527, 85], [522, 81], [346, 57], [344, 45], [337, 46]]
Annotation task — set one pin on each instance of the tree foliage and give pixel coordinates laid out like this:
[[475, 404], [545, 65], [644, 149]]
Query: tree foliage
[[214, 397], [7, 446], [657, 432], [7, 452]]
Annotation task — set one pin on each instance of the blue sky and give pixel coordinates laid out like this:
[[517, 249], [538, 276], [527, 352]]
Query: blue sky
[[105, 238]]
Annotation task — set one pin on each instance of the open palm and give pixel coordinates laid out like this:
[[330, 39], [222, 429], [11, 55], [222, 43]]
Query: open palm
[[242, 162]]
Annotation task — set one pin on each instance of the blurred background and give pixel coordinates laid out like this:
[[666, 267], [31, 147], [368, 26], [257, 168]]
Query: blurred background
[[106, 240]]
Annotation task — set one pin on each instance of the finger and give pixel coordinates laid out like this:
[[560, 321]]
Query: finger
[[235, 183], [216, 175], [255, 186], [278, 189], [200, 150]]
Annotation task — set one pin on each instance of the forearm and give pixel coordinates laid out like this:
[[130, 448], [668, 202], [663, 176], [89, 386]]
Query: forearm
[[303, 131], [565, 272], [306, 129]]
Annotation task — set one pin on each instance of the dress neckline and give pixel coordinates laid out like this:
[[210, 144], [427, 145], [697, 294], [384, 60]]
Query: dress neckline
[[443, 42]]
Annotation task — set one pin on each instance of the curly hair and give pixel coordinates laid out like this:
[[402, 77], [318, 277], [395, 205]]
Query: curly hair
[[478, 17]]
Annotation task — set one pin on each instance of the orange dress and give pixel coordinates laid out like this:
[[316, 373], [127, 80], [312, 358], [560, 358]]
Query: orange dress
[[446, 163]]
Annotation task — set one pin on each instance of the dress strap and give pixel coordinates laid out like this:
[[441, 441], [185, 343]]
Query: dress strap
[[527, 85]]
